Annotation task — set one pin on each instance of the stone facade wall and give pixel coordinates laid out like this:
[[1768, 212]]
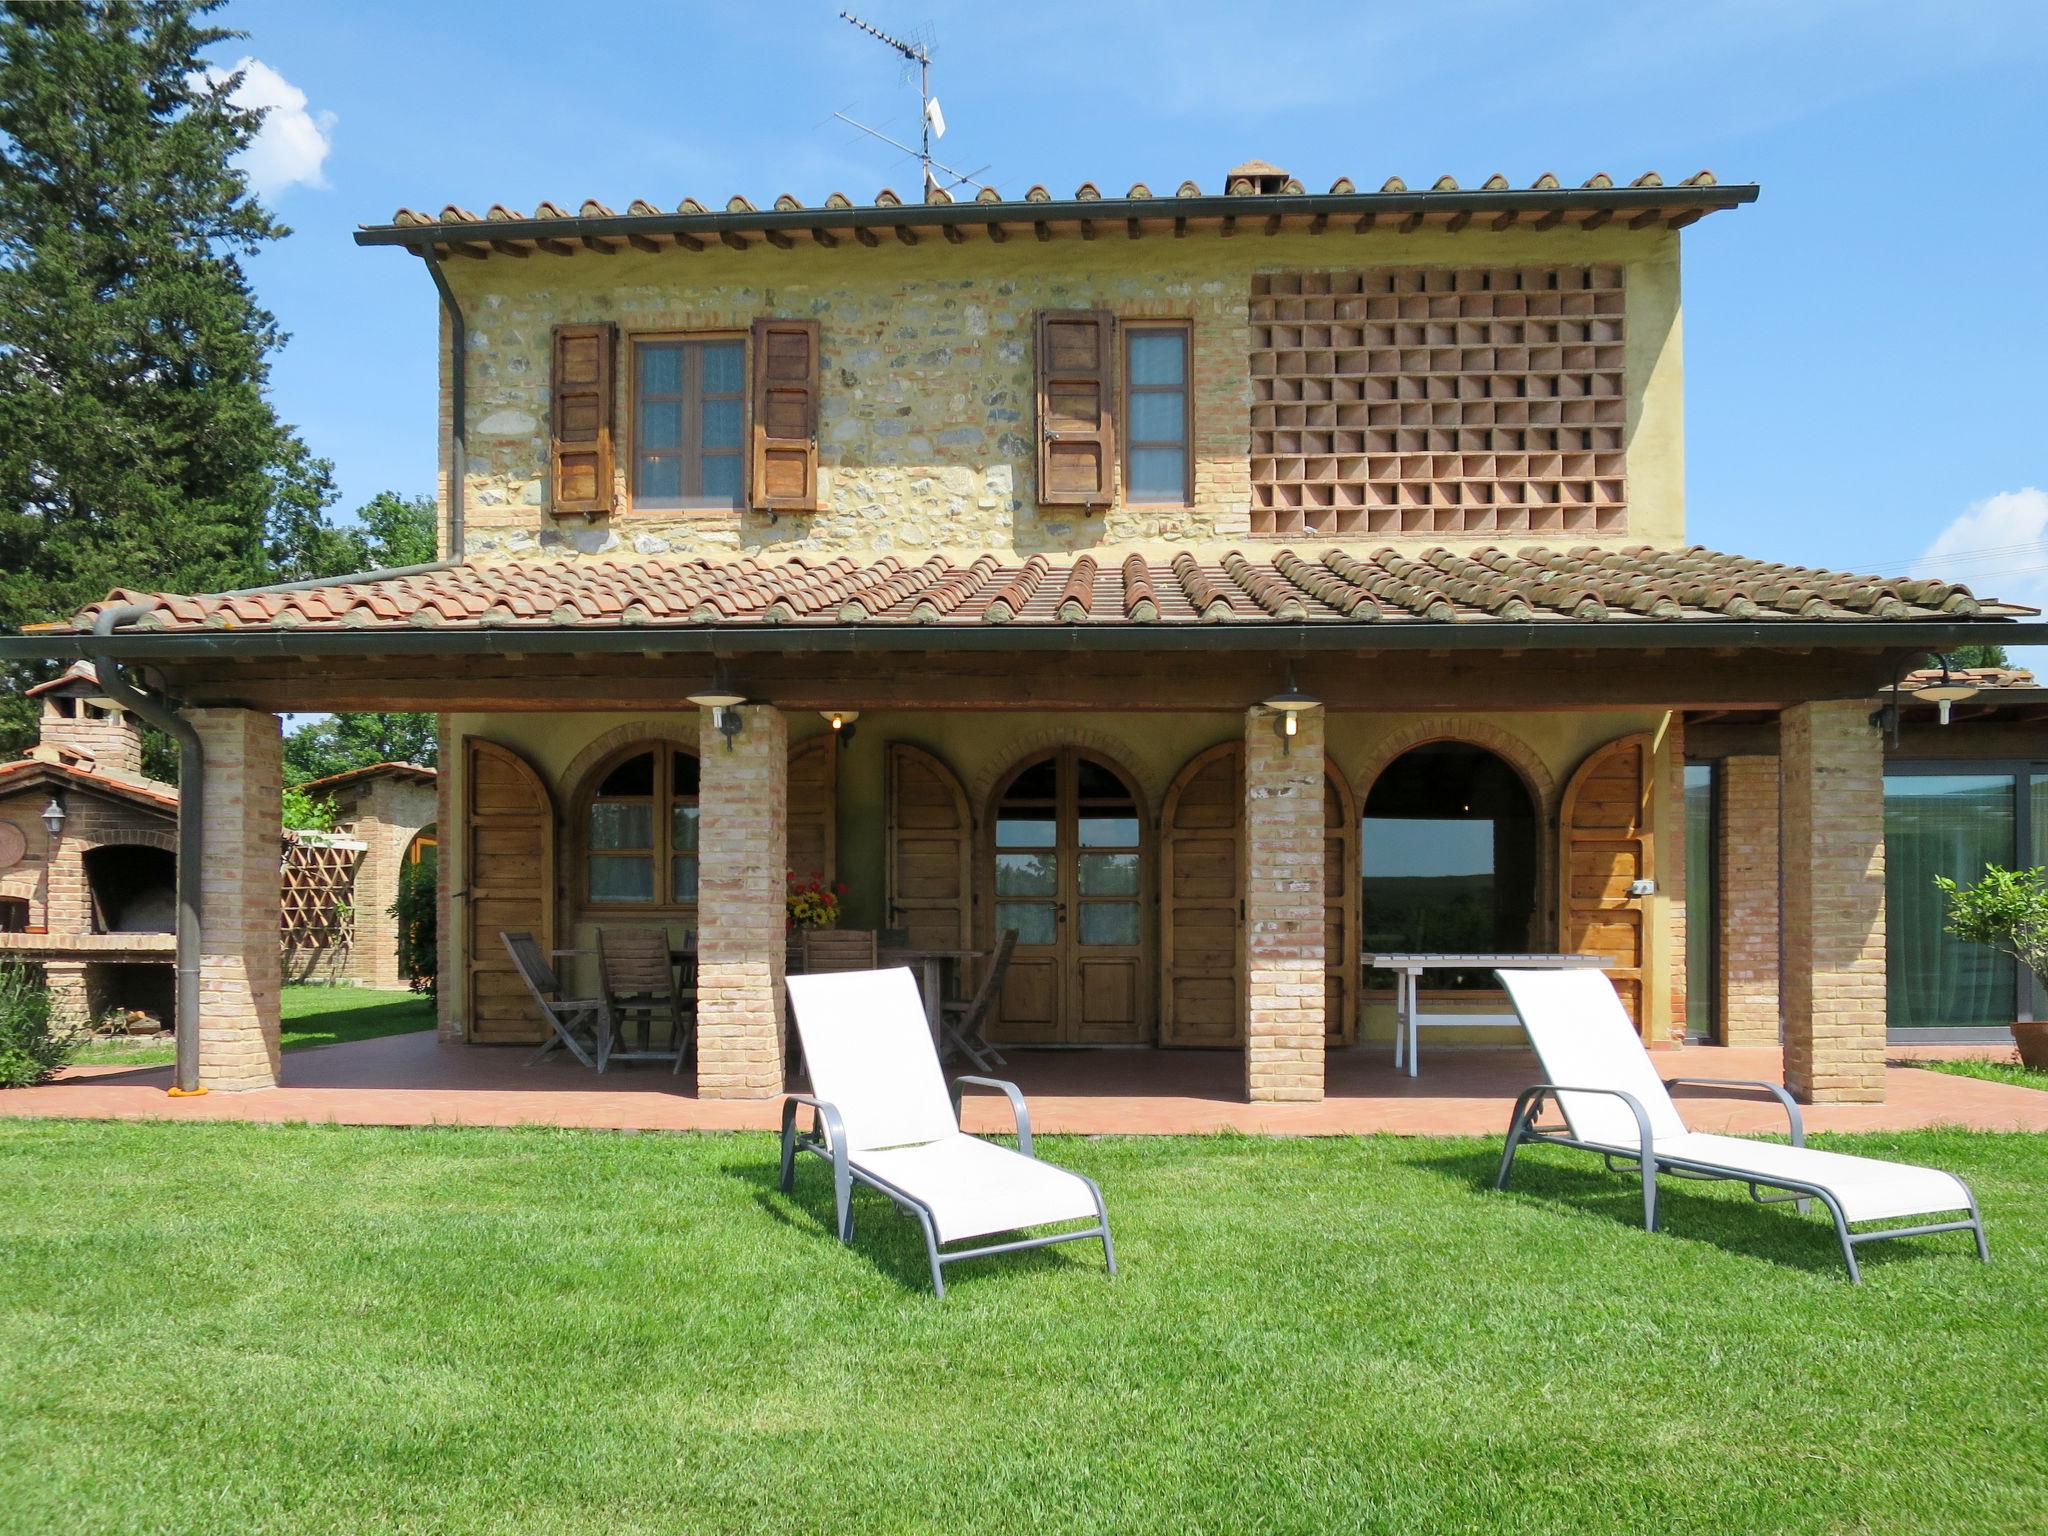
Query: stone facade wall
[[743, 805], [1284, 908], [386, 813], [98, 727], [1832, 768], [928, 396], [240, 972], [1748, 876]]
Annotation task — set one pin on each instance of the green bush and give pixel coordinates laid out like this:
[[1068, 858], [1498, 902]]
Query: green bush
[[29, 1050], [2007, 909], [418, 936]]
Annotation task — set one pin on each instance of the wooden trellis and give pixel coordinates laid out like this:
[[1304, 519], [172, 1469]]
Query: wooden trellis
[[318, 889]]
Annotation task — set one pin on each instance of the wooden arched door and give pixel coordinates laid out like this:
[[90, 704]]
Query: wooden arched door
[[930, 856], [1605, 847], [1201, 904], [508, 883], [813, 827], [1067, 866]]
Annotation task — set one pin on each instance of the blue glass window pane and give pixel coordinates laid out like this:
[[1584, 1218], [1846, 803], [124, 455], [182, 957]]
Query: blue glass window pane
[[1033, 921], [1026, 874], [1158, 474], [1109, 922], [661, 370], [660, 478], [661, 423], [1109, 831], [722, 477], [1109, 874], [1014, 831], [1158, 418], [1158, 357], [721, 423], [724, 367]]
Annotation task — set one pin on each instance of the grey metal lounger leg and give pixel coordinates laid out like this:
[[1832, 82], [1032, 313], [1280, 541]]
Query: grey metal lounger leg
[[1527, 1107], [931, 1250], [1102, 1215]]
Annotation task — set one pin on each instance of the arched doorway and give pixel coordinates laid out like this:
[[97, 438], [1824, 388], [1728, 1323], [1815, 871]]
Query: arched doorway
[[1449, 856], [1067, 864]]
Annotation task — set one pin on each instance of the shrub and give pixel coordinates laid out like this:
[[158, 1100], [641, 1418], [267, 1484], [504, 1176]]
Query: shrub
[[2007, 909], [29, 1050], [418, 931]]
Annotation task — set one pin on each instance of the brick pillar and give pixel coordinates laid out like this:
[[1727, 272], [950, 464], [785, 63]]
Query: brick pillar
[[1748, 892], [1832, 771], [743, 809], [70, 987], [1283, 926], [240, 971]]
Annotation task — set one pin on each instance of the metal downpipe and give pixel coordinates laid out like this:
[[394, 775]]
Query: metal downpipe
[[191, 834], [458, 403]]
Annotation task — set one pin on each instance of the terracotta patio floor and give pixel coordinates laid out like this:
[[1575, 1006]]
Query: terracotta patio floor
[[415, 1080]]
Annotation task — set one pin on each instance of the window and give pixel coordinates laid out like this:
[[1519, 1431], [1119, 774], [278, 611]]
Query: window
[[642, 831], [1157, 470], [689, 409], [1448, 855], [1702, 895], [1950, 819]]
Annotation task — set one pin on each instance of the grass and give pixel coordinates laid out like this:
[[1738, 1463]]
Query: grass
[[1990, 1071], [312, 1016], [218, 1327]]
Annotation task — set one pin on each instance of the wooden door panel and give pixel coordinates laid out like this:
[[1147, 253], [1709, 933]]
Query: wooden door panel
[[930, 850], [1106, 999], [1606, 844], [508, 883], [1030, 1001], [812, 839], [1201, 927]]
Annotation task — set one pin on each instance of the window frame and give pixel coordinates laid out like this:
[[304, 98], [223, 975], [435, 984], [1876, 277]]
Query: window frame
[[1128, 331], [691, 401], [661, 805]]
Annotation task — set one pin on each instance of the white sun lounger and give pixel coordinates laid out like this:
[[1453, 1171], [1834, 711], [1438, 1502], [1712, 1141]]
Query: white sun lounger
[[1613, 1102], [884, 1119]]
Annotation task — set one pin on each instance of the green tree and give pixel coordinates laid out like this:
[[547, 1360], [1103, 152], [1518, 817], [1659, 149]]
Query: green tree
[[387, 530], [137, 447], [1979, 656], [337, 743]]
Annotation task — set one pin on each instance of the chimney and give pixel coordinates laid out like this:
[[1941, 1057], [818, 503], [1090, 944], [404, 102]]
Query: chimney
[[79, 718], [1256, 177]]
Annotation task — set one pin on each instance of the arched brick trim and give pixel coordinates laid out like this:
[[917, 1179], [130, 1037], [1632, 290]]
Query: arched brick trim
[[1536, 777], [139, 838], [1096, 743], [594, 752]]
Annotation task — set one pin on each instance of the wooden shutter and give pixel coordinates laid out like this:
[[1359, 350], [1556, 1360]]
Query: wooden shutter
[[786, 415], [930, 850], [1605, 845], [1201, 887], [580, 452], [508, 867], [1341, 946], [813, 807], [1076, 408]]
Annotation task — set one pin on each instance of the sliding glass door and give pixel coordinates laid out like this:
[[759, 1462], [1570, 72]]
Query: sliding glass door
[[1951, 819]]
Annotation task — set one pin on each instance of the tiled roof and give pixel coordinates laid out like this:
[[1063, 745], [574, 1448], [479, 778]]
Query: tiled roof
[[1976, 677], [348, 776], [1249, 192], [77, 672], [1471, 587], [73, 770]]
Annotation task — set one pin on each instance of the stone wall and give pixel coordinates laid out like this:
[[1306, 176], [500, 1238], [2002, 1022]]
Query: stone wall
[[386, 813]]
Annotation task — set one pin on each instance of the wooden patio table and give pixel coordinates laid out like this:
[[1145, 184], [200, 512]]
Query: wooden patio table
[[1408, 969], [930, 965]]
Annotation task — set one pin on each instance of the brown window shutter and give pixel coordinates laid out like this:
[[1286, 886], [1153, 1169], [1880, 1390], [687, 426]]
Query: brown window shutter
[[1076, 408], [580, 452], [785, 475]]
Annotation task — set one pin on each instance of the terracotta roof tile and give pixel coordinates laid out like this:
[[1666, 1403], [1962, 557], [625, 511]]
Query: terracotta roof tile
[[1463, 586]]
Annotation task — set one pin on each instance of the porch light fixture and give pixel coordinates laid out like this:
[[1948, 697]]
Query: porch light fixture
[[1947, 693], [724, 701], [53, 815], [1289, 704], [841, 721]]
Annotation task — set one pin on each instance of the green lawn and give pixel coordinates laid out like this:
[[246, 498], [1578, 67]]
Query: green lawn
[[312, 1016], [223, 1328], [1991, 1071]]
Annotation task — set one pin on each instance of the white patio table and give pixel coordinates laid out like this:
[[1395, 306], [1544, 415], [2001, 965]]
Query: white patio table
[[1409, 1018]]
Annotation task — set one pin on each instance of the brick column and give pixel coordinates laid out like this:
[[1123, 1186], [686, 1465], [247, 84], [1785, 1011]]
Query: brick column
[[1283, 917], [70, 987], [743, 809], [240, 971], [1832, 769], [1748, 892]]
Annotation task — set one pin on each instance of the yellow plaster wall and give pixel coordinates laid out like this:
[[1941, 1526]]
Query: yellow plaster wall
[[1152, 748], [927, 395]]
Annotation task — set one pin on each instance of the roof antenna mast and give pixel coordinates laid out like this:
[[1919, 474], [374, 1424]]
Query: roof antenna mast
[[931, 121]]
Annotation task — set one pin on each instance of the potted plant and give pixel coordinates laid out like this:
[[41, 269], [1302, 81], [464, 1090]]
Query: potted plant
[[811, 903], [2008, 910]]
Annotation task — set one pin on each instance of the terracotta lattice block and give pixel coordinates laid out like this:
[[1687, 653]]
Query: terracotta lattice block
[[1422, 401]]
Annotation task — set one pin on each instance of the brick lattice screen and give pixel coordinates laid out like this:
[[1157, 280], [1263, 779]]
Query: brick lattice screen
[[1425, 401], [318, 882]]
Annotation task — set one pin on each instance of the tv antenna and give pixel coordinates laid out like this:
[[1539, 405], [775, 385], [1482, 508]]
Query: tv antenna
[[931, 120]]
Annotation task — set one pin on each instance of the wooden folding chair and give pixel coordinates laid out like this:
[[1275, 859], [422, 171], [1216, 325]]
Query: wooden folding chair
[[838, 949], [965, 1021], [582, 1025], [640, 987]]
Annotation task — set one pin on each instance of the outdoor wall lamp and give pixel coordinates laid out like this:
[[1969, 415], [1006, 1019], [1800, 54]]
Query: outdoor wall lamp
[[721, 698], [1944, 695], [1290, 703], [53, 815], [841, 721]]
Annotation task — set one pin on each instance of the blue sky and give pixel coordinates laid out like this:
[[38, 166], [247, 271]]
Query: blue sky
[[1865, 345]]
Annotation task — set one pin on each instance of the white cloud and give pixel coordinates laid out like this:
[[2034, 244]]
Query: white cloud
[[1998, 548], [293, 143]]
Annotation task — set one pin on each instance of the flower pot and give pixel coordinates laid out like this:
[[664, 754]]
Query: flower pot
[[2032, 1039]]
